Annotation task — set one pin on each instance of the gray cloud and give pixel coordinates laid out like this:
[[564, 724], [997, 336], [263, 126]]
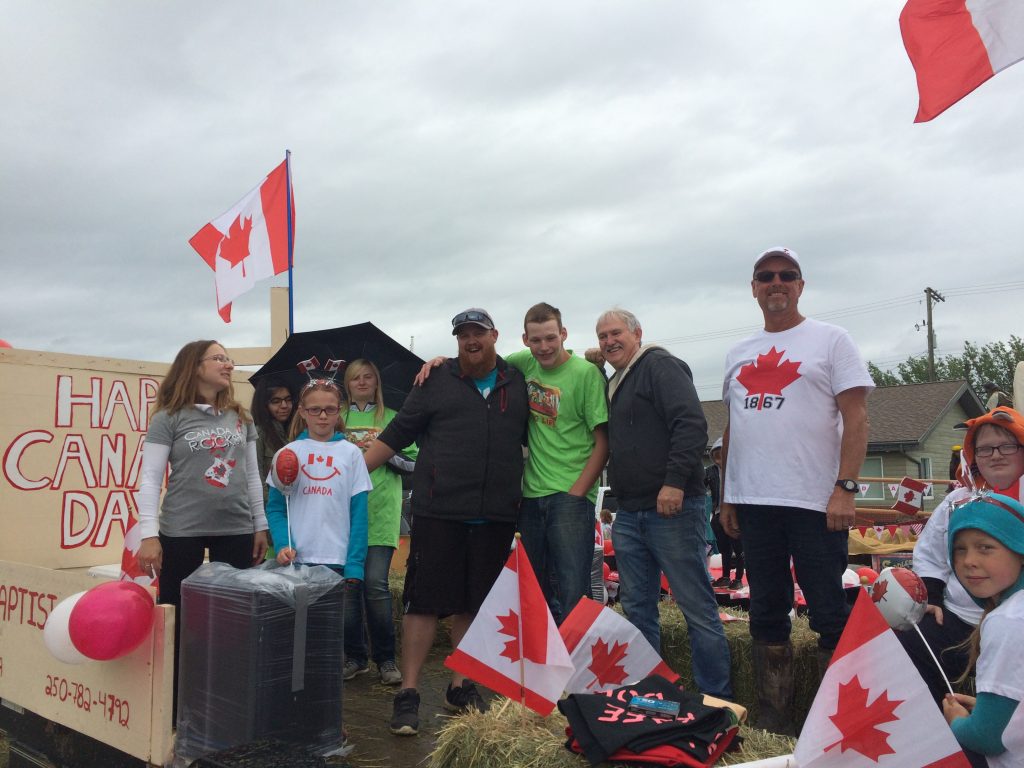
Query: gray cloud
[[589, 154]]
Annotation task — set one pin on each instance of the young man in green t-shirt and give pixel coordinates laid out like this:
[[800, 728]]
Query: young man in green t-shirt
[[568, 444]]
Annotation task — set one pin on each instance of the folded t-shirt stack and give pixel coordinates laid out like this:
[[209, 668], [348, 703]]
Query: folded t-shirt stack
[[603, 728]]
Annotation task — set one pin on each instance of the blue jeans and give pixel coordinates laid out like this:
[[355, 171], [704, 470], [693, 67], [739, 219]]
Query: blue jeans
[[770, 536], [647, 545], [372, 599], [558, 533]]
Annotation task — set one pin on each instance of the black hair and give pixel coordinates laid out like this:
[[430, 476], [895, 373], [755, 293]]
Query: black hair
[[274, 433]]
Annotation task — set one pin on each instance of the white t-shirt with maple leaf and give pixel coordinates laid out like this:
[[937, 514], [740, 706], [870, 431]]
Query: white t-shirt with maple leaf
[[785, 428], [330, 474]]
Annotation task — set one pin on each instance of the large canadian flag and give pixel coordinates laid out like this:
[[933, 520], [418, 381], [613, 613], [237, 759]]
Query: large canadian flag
[[956, 45], [873, 708], [513, 646], [607, 651], [249, 242], [909, 495]]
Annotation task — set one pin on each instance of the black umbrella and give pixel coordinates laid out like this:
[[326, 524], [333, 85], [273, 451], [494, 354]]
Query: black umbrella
[[398, 366]]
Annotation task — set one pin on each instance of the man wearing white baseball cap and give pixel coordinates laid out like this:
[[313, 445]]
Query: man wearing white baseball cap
[[792, 451]]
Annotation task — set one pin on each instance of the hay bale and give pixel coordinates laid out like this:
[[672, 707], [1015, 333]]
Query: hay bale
[[510, 736], [675, 649]]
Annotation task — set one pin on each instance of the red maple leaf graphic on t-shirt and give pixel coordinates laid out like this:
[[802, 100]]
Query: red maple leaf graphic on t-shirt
[[858, 721], [235, 245], [605, 663], [510, 627], [768, 375]]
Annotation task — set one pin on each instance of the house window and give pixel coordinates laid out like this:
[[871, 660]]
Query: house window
[[872, 467], [925, 473]]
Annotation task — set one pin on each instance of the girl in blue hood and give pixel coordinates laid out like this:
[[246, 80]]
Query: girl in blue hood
[[986, 547]]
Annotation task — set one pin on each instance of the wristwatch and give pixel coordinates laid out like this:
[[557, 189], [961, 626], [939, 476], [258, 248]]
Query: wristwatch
[[850, 486]]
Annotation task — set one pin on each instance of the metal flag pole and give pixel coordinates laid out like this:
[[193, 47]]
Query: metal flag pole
[[518, 543], [291, 239]]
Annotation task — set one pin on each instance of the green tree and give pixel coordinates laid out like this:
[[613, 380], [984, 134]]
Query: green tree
[[995, 362]]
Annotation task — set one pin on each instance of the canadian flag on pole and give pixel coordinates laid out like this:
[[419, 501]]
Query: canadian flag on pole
[[607, 651], [873, 708], [909, 495], [130, 570], [251, 241], [956, 45], [513, 646]]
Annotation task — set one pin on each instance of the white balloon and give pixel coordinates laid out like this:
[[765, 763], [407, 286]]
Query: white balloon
[[715, 561], [56, 635], [901, 596], [851, 579]]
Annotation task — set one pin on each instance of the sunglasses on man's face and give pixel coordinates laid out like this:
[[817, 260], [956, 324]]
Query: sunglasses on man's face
[[786, 275]]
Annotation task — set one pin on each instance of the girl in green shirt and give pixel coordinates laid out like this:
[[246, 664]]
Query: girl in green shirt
[[368, 608]]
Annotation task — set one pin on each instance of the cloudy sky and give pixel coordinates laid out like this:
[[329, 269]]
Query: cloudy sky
[[462, 153]]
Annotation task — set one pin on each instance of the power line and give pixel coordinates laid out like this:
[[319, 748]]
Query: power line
[[857, 309]]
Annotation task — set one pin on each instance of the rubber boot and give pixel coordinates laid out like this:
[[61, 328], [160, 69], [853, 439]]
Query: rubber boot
[[823, 656], [773, 678]]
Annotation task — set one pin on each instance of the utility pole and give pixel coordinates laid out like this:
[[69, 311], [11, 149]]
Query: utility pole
[[930, 296]]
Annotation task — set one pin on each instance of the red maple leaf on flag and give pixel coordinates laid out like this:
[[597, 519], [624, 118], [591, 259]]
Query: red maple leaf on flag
[[768, 375], [909, 496], [510, 626], [605, 663], [878, 591], [235, 246], [858, 721]]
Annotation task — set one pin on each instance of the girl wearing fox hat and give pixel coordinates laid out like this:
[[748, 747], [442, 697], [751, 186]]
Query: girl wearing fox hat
[[986, 547], [993, 459]]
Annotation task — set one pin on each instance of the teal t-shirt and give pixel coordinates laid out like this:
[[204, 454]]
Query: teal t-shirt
[[566, 404], [486, 384]]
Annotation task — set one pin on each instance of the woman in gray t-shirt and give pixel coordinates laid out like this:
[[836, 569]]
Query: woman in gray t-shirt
[[214, 498]]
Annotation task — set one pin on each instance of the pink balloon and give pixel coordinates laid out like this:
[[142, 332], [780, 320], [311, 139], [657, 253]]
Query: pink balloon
[[111, 620]]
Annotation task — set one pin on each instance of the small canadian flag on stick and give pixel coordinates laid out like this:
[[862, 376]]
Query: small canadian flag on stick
[[909, 495], [513, 646], [873, 708], [607, 651]]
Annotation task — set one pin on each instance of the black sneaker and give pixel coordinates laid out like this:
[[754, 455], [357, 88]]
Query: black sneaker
[[405, 717], [464, 698], [720, 583]]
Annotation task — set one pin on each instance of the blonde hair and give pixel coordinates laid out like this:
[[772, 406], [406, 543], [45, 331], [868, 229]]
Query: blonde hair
[[316, 385], [973, 642], [180, 387], [354, 369]]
